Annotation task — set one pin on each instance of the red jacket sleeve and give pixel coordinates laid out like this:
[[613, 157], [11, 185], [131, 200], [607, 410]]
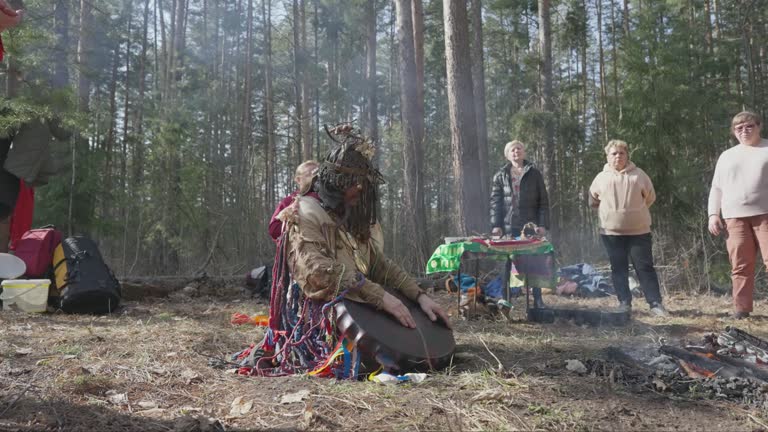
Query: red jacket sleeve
[[276, 225]]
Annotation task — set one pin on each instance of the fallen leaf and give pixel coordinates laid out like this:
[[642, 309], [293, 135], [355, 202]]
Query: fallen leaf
[[23, 351], [574, 365], [490, 394], [659, 384], [309, 416], [17, 372], [147, 404], [294, 397], [97, 402], [198, 423], [191, 376], [240, 407], [117, 398], [188, 409], [152, 412], [68, 357]]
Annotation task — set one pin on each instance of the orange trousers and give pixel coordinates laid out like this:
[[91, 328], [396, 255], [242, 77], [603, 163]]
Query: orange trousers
[[745, 236]]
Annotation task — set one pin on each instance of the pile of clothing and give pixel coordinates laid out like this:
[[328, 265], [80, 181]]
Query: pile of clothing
[[583, 280]]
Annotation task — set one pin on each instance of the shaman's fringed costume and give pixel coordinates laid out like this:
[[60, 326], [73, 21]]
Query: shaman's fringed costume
[[328, 251]]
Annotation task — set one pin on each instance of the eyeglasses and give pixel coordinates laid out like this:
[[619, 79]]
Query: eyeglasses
[[743, 128]]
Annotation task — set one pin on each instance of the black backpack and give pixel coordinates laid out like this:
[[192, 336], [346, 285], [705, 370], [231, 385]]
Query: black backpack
[[84, 282]]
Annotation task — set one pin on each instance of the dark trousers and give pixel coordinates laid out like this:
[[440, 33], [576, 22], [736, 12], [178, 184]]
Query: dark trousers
[[637, 248]]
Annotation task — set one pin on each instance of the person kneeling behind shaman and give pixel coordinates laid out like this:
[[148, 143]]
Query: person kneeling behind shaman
[[332, 249], [332, 240]]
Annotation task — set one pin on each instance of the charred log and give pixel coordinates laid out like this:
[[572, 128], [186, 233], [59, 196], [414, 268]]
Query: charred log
[[702, 361], [741, 335]]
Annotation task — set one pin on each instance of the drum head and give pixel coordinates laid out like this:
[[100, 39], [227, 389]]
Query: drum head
[[11, 266], [376, 333]]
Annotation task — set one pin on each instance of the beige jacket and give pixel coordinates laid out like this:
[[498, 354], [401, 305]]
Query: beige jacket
[[325, 260], [623, 198]]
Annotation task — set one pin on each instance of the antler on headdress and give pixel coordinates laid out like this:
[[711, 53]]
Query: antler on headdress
[[352, 138]]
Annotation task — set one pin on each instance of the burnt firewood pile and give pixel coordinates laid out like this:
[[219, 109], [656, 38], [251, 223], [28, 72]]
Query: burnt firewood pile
[[731, 365]]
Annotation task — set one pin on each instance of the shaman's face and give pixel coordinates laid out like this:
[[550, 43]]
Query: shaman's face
[[352, 195]]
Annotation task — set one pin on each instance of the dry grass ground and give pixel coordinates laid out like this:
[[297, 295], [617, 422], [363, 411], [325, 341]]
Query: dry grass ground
[[146, 368]]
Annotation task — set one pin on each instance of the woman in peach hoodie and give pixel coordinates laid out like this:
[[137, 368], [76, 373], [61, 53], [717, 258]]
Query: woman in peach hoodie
[[622, 192]]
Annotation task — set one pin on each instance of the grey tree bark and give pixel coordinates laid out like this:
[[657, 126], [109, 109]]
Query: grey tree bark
[[461, 108]]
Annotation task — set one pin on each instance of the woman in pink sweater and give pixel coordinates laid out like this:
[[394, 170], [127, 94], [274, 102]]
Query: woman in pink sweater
[[622, 192], [740, 193]]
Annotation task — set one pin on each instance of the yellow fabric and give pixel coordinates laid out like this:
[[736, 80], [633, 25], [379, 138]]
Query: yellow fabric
[[60, 270]]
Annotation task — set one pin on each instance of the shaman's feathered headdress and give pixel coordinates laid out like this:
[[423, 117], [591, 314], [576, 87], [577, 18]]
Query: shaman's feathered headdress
[[350, 164]]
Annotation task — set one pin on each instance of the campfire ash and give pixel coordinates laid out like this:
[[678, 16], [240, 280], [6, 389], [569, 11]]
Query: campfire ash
[[732, 365]]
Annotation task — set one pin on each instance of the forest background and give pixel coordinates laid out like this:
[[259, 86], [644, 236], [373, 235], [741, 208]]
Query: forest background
[[191, 115]]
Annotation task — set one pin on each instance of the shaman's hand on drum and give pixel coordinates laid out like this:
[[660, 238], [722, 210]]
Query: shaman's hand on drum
[[397, 309], [432, 309]]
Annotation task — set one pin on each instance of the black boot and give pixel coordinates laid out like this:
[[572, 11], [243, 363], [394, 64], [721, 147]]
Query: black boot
[[538, 302]]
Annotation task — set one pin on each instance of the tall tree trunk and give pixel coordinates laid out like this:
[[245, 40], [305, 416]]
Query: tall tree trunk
[[138, 158], [156, 55], [167, 44], [61, 28], [392, 71], [83, 99], [297, 78], [370, 70], [614, 52], [749, 62], [111, 138], [547, 103], [409, 121], [625, 22], [306, 132], [179, 41], [584, 72], [716, 15], [246, 126], [708, 26], [126, 105], [461, 109], [601, 54], [316, 42], [269, 159], [417, 15], [478, 82]]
